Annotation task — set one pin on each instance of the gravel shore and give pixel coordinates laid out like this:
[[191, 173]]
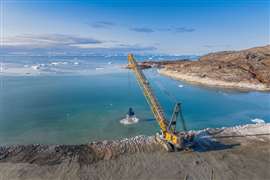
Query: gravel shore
[[241, 152], [195, 79]]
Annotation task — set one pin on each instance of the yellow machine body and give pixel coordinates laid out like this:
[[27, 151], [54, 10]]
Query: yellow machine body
[[171, 137]]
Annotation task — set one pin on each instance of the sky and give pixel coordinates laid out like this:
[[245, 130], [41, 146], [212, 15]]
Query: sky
[[176, 27]]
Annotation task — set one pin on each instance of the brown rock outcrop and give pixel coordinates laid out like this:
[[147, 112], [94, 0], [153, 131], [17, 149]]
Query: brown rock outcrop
[[248, 69]]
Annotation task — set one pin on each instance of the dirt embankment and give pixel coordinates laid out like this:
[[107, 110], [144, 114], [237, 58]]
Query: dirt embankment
[[246, 69], [229, 153]]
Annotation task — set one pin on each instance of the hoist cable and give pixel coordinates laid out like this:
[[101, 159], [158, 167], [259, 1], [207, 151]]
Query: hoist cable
[[171, 97], [129, 84]]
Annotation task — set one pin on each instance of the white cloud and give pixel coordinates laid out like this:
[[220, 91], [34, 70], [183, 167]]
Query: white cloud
[[58, 43], [47, 40]]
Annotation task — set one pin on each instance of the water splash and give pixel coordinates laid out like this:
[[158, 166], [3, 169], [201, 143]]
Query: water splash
[[129, 120]]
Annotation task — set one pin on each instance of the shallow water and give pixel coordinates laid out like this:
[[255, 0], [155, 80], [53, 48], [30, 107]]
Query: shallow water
[[70, 109]]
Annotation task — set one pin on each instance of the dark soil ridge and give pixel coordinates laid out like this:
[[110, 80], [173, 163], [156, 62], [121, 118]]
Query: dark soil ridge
[[239, 152], [83, 154]]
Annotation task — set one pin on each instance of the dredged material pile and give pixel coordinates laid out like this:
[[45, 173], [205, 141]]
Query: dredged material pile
[[84, 154]]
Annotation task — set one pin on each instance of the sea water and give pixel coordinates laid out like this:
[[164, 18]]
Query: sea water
[[73, 108]]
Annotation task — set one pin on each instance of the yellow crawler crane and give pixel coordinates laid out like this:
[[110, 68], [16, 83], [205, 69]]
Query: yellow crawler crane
[[169, 138]]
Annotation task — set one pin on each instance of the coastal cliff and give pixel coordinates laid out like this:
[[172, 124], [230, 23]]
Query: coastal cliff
[[246, 69]]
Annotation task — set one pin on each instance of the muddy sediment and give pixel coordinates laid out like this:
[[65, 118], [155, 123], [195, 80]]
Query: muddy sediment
[[228, 153]]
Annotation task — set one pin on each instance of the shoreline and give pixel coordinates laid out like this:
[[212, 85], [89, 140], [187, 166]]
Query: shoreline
[[141, 157], [150, 139], [212, 82]]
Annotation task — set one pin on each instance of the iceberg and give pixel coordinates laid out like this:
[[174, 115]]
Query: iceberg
[[258, 121], [180, 85]]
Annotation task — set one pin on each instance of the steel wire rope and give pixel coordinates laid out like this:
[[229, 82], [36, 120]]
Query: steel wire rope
[[171, 97]]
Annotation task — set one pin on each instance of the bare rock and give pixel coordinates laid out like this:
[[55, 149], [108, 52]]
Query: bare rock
[[250, 67]]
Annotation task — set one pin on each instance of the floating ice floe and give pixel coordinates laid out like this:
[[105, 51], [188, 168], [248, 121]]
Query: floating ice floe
[[76, 63], [99, 68], [58, 63], [35, 67], [223, 93], [1, 68], [110, 62], [55, 63], [180, 85], [129, 120], [258, 121]]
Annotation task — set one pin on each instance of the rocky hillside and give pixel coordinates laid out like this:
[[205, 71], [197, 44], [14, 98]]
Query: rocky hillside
[[250, 66]]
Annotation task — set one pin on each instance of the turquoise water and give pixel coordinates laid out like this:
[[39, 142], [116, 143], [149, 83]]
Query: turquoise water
[[72, 109]]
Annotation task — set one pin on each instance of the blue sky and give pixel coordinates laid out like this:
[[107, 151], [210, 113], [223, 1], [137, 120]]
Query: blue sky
[[119, 26]]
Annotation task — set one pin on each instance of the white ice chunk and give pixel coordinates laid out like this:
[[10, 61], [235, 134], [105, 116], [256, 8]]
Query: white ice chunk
[[258, 121], [180, 85]]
